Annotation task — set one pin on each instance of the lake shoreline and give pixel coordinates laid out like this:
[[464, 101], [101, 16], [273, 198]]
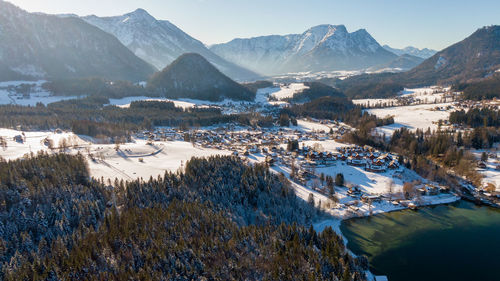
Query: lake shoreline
[[336, 222], [428, 239]]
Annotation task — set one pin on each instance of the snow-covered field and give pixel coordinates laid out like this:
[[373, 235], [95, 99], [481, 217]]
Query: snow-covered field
[[432, 94], [140, 160], [413, 117], [289, 90], [131, 161], [371, 102], [427, 94], [491, 175], [310, 76], [125, 102], [309, 126], [34, 142], [37, 94]]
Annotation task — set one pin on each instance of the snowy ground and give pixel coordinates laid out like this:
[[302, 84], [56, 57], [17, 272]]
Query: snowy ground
[[287, 91], [34, 142], [372, 102], [413, 117], [37, 95], [491, 175], [125, 102], [432, 94], [156, 159], [108, 163], [368, 182], [310, 126], [311, 76], [427, 94]]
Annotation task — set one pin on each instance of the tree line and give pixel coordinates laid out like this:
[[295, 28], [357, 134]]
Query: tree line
[[218, 219]]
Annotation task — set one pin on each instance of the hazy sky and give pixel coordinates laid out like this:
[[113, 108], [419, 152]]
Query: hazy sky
[[399, 23]]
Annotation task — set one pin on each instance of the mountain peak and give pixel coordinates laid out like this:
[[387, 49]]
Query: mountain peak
[[193, 76], [58, 47], [323, 47], [140, 12], [140, 15], [328, 29], [159, 42]]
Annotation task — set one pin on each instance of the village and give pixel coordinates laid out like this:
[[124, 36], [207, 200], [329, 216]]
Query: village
[[311, 156]]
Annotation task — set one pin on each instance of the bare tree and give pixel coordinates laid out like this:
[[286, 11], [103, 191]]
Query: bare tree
[[390, 189]]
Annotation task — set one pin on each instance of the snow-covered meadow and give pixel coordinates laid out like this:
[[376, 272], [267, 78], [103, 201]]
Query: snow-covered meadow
[[131, 161], [287, 91], [37, 94], [413, 117], [125, 102]]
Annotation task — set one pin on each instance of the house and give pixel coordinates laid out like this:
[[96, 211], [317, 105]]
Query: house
[[354, 191], [376, 166], [270, 161], [393, 165], [18, 138], [356, 160], [481, 165]]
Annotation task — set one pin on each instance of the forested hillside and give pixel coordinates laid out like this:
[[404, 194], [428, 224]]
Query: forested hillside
[[478, 90], [218, 220], [315, 90], [90, 116]]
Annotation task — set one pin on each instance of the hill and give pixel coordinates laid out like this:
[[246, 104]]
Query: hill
[[192, 76], [314, 90], [477, 56], [488, 88], [39, 46]]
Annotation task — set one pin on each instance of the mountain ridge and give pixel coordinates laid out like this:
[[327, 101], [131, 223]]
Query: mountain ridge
[[41, 46], [160, 42], [424, 53], [324, 47]]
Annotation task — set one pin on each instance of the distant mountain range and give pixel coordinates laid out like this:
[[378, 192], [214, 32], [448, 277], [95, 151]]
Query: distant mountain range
[[421, 53], [39, 46], [402, 63], [192, 76], [159, 42], [321, 48]]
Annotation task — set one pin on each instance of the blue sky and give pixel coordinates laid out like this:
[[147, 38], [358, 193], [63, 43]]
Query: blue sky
[[399, 23]]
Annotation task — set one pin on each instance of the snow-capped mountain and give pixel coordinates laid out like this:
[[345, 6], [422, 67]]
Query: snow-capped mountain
[[421, 53], [321, 48], [160, 42], [39, 46]]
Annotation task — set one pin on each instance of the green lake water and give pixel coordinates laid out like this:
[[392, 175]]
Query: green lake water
[[460, 241]]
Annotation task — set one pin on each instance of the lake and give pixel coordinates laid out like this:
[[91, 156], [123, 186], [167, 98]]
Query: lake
[[460, 241]]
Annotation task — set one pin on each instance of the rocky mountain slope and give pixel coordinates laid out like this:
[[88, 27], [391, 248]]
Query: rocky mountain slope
[[39, 46], [192, 76], [160, 42], [321, 48]]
